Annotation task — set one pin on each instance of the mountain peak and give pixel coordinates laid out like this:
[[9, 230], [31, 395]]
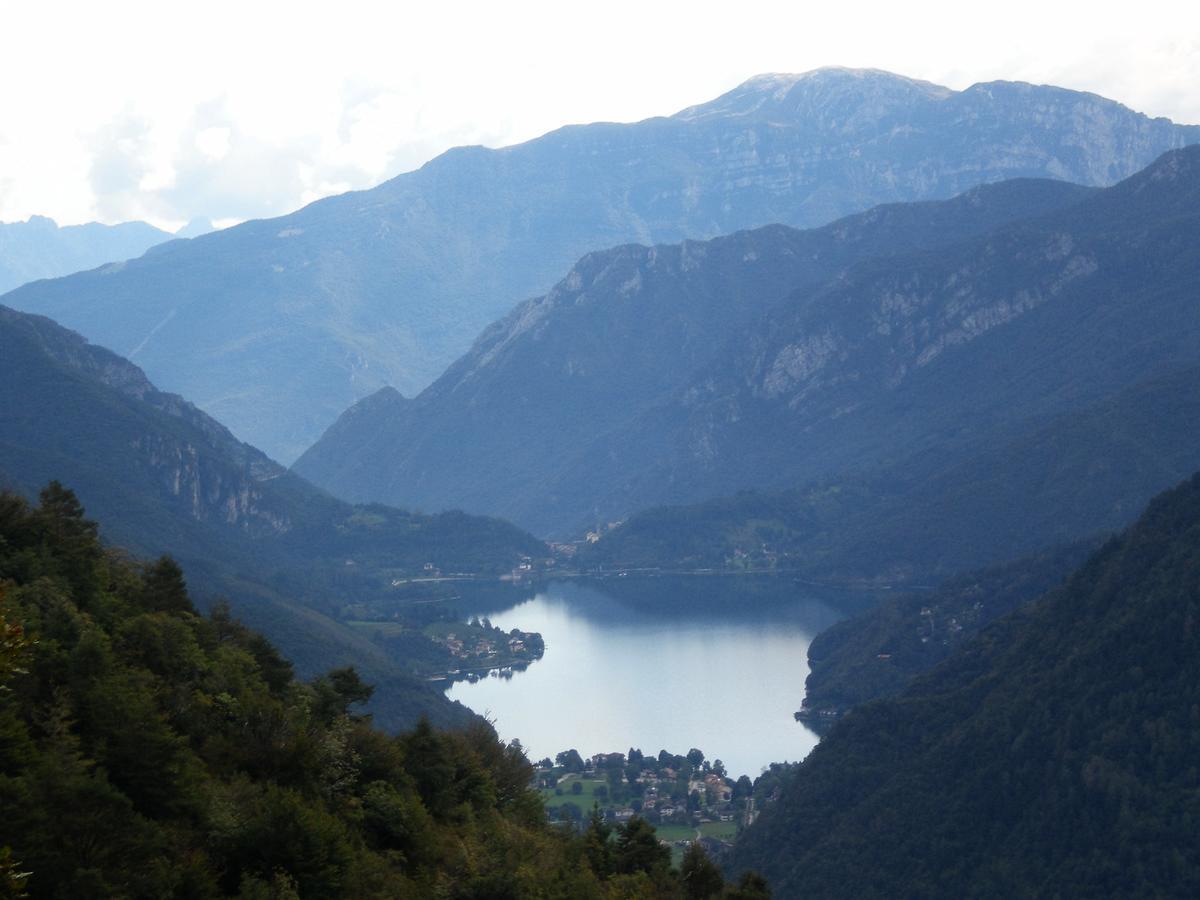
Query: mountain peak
[[1170, 183], [792, 95]]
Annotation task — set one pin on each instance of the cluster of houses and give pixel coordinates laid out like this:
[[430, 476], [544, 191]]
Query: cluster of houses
[[484, 649], [682, 794], [762, 557], [714, 799], [479, 648]]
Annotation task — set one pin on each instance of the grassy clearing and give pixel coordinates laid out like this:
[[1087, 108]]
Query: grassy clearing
[[675, 832], [726, 831], [583, 800]]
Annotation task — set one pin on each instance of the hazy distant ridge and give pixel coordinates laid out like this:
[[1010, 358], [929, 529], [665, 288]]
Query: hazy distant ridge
[[40, 248]]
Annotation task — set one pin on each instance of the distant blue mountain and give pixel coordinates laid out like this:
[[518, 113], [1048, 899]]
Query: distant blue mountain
[[276, 326], [39, 248]]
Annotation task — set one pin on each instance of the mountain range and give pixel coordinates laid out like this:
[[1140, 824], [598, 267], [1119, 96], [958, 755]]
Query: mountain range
[[276, 326], [621, 334], [40, 248], [892, 361], [166, 478]]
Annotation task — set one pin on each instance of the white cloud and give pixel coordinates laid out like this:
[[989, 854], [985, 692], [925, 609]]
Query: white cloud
[[165, 111], [214, 142]]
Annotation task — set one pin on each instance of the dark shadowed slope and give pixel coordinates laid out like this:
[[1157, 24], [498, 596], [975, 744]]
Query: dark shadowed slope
[[926, 517], [881, 651], [1054, 755]]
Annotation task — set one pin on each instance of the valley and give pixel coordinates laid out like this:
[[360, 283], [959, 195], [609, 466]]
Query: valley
[[408, 535]]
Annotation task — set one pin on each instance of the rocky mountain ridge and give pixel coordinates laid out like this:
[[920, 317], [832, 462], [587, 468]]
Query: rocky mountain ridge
[[933, 355]]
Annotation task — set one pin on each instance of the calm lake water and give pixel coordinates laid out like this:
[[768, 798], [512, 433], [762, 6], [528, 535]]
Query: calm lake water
[[714, 663]]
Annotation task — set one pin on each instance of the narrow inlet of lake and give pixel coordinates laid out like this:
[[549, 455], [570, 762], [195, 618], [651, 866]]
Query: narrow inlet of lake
[[717, 664]]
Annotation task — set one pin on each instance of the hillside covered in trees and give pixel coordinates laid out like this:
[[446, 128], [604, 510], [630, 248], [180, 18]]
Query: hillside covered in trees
[[1054, 755], [879, 652], [166, 478], [149, 752]]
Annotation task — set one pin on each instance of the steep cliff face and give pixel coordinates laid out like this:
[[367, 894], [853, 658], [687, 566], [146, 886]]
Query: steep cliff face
[[192, 462], [170, 478], [887, 326], [275, 327]]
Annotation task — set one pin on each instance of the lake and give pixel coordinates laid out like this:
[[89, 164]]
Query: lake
[[716, 663]]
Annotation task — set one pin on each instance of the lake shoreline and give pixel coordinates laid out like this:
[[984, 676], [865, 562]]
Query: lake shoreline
[[660, 662]]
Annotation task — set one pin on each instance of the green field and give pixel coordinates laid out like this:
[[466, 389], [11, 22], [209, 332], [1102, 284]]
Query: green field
[[675, 832], [726, 831], [583, 800], [443, 629]]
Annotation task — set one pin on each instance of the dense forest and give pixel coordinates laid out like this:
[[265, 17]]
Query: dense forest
[[147, 751], [1054, 755], [880, 651]]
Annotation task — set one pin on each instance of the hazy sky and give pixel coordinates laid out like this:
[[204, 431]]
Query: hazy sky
[[164, 111]]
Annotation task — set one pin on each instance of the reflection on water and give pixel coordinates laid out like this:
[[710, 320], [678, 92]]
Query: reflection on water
[[714, 663]]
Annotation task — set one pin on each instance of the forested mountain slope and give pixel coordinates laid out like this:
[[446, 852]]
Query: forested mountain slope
[[945, 352], [170, 479], [1053, 755], [147, 751]]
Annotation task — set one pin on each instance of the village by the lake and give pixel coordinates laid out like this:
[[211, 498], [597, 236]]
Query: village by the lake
[[687, 798]]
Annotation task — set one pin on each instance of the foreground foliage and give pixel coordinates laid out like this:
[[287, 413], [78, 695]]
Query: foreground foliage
[[146, 751]]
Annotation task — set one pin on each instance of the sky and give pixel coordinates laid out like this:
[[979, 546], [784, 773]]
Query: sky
[[167, 111]]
